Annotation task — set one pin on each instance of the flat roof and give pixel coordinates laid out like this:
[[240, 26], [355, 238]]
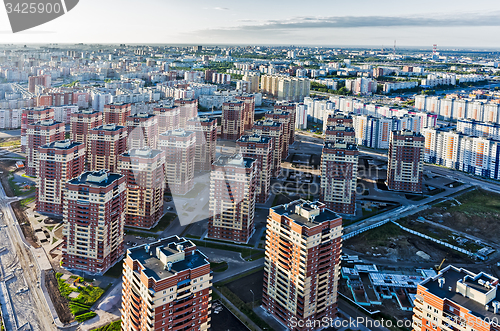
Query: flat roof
[[100, 178], [451, 276], [143, 152], [155, 268], [255, 138], [288, 210], [235, 160], [109, 127], [62, 144]]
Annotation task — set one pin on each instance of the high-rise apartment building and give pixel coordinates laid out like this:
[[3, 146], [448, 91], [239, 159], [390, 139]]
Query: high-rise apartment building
[[232, 122], [39, 134], [302, 263], [233, 183], [33, 115], [180, 149], [82, 122], [339, 171], [168, 118], [117, 113], [44, 80], [144, 172], [142, 131], [188, 109], [457, 299], [166, 286], [248, 110], [285, 87], [292, 109], [205, 129], [58, 162], [94, 214], [340, 132], [285, 118], [406, 161], [274, 130], [259, 148], [106, 142]]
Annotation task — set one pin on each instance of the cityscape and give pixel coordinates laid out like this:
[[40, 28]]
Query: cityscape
[[271, 177]]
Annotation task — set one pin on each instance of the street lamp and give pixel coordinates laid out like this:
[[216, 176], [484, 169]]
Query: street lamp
[[253, 299]]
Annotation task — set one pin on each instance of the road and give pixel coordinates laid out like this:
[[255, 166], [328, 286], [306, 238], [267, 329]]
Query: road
[[30, 309]]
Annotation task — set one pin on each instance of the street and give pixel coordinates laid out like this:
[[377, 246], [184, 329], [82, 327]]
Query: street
[[20, 276]]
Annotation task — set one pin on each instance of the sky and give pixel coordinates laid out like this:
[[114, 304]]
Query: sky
[[457, 23]]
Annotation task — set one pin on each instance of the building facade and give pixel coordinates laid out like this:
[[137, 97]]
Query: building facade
[[117, 113], [339, 171], [94, 215], [144, 172], [233, 184], [166, 286], [259, 148], [457, 299], [405, 162], [58, 162], [232, 122], [274, 130], [82, 122], [106, 143], [180, 149], [205, 129], [142, 131], [39, 134], [302, 264]]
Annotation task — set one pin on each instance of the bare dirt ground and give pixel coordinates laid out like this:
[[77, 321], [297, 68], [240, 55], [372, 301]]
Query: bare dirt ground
[[395, 244], [60, 303], [478, 214]]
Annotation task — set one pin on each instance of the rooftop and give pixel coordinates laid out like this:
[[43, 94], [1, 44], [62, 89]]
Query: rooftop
[[109, 127], [143, 152], [62, 144], [166, 257], [339, 128], [306, 213], [100, 178], [177, 133], [469, 290], [142, 115], [46, 123], [254, 138], [340, 144], [267, 123], [236, 160]]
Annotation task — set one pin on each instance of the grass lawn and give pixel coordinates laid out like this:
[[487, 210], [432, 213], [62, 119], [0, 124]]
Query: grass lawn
[[17, 190], [477, 201], [27, 201], [54, 239], [50, 227], [218, 266], [164, 222], [380, 235], [115, 326], [12, 143], [80, 306]]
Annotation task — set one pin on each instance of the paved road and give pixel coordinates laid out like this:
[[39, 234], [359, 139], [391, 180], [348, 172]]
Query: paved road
[[30, 307]]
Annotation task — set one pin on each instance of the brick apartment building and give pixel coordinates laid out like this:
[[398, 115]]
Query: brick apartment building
[[94, 215], [166, 286], [142, 131], [302, 263], [144, 172], [233, 184], [205, 129], [406, 161], [339, 171], [274, 130], [117, 113], [259, 148], [39, 134], [106, 143], [58, 162], [232, 125]]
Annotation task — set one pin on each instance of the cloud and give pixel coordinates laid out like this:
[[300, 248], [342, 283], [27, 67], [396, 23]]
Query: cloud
[[317, 22], [221, 8]]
